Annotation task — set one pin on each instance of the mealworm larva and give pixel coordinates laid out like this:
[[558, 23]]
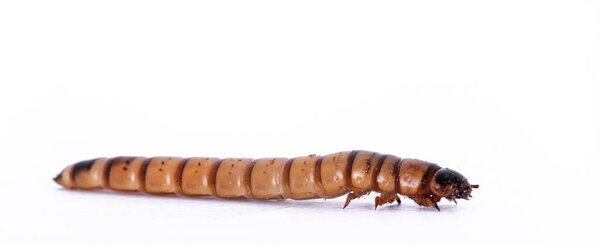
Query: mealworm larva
[[354, 172]]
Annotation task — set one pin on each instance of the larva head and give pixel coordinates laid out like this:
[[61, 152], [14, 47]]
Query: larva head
[[451, 185]]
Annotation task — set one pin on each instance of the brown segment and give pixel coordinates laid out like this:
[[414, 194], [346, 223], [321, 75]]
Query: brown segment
[[286, 190], [349, 166], [267, 178], [318, 178], [88, 174], [427, 177], [126, 174], [333, 172], [82, 166], [302, 178], [106, 173], [386, 178], [248, 180], [411, 174], [397, 167], [376, 171], [179, 176], [163, 175], [363, 169], [231, 177], [198, 175], [143, 173]]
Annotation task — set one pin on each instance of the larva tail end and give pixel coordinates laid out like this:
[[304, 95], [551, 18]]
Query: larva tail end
[[57, 178], [60, 179]]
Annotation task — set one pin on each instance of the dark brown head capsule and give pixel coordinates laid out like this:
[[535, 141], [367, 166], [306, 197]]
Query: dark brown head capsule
[[451, 185]]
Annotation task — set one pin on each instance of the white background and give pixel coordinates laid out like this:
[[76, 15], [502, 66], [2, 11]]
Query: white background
[[506, 92]]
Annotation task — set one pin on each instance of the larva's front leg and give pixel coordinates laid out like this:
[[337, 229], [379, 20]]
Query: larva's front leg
[[353, 195], [427, 201], [386, 198]]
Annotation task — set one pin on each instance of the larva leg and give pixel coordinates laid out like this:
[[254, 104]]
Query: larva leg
[[354, 195], [427, 201], [386, 198]]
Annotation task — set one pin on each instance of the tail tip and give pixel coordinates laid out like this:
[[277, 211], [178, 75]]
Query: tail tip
[[58, 179]]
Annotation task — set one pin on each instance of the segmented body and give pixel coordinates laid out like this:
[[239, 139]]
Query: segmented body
[[304, 177]]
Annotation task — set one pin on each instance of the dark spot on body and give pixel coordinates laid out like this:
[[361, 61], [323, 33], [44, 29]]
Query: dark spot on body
[[163, 163], [124, 168], [160, 169], [83, 165], [196, 171]]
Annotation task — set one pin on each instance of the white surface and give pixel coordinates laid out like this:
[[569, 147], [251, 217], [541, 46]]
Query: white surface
[[504, 92]]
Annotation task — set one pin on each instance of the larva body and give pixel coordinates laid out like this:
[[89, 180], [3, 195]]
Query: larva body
[[328, 176]]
